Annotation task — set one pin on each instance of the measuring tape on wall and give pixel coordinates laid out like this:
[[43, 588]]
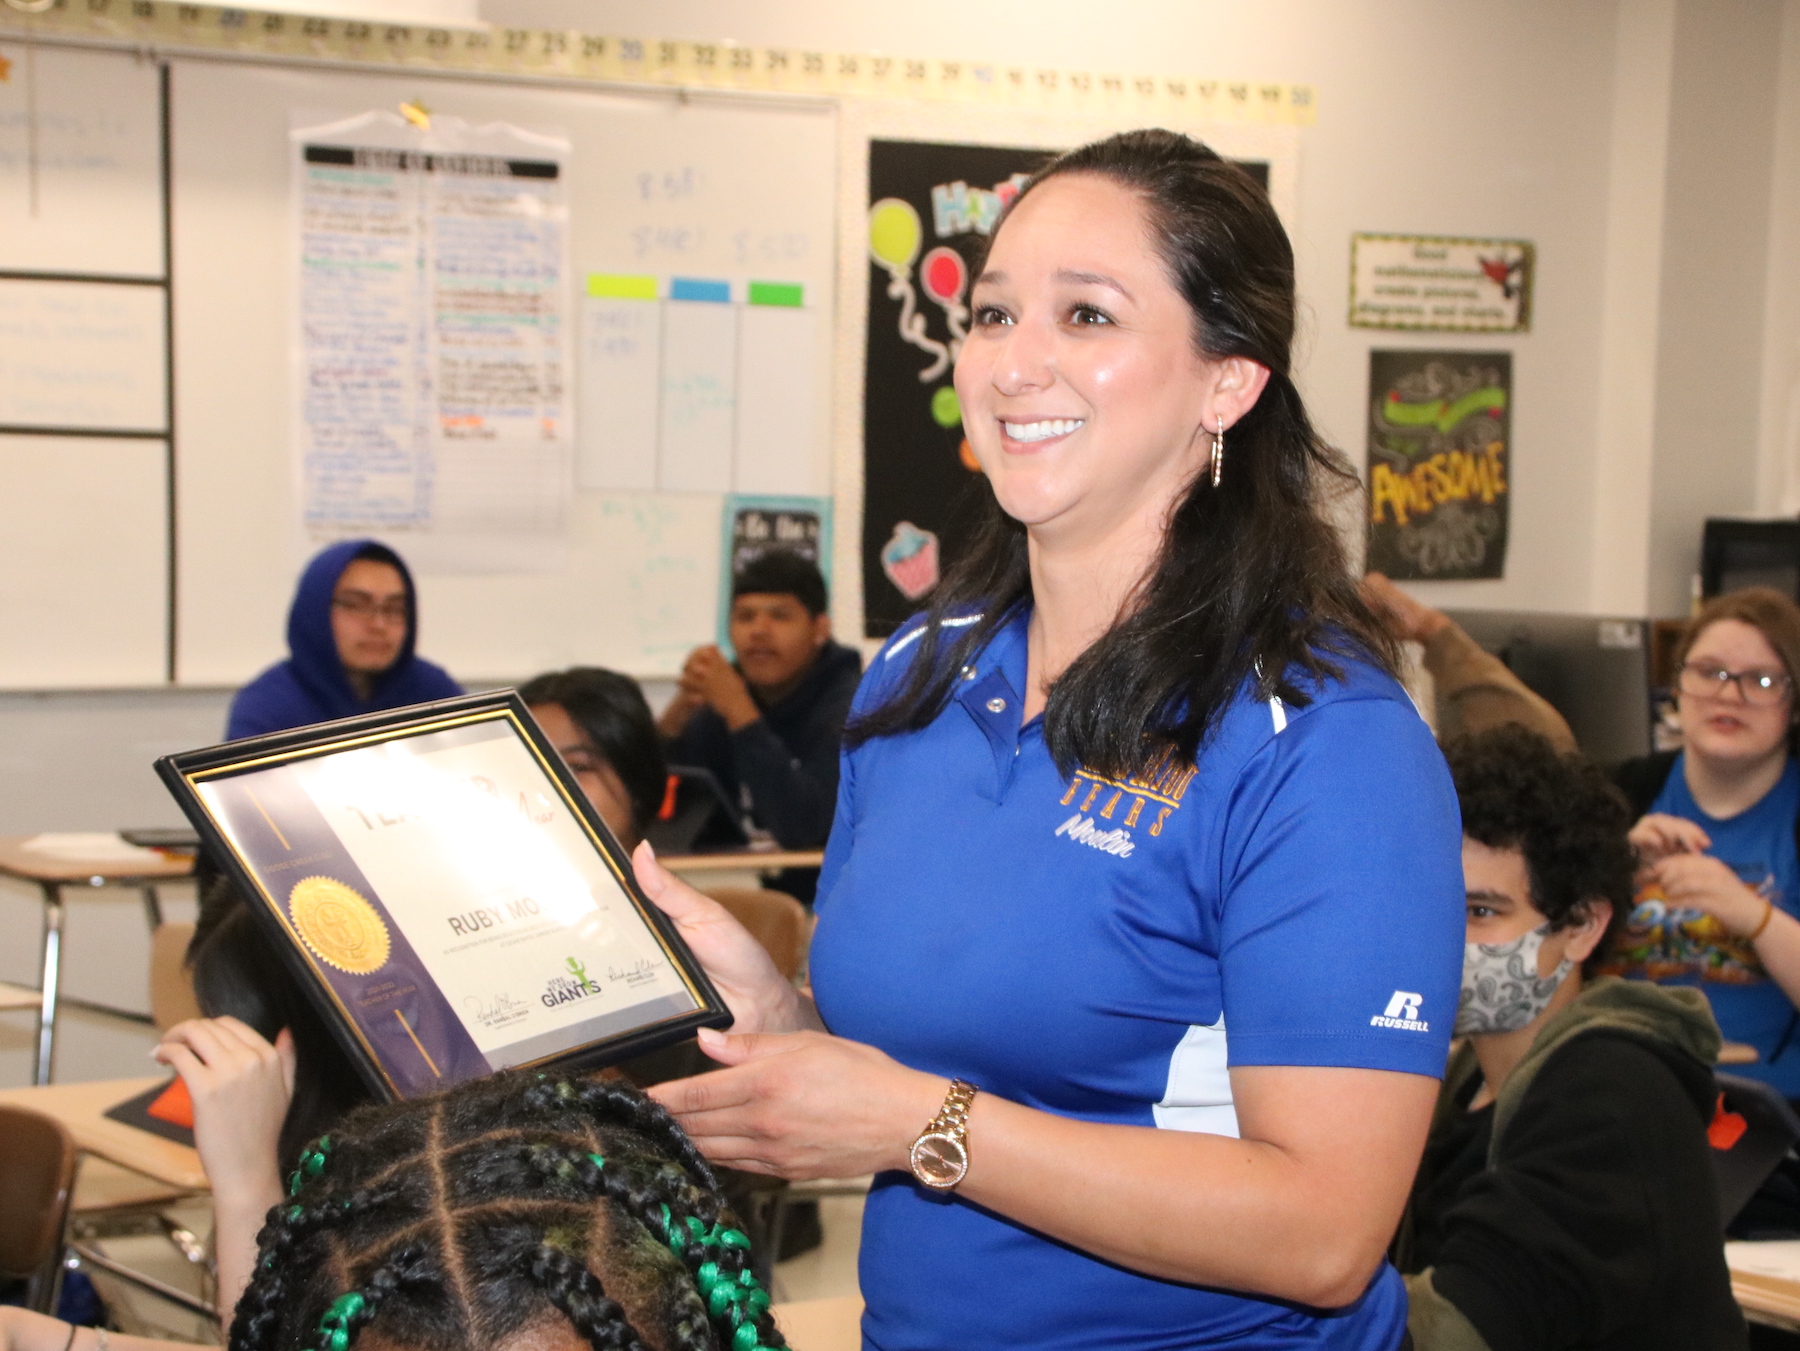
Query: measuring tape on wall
[[573, 55]]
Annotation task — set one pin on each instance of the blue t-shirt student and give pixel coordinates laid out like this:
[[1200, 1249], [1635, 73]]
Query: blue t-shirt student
[[1686, 947], [1107, 950]]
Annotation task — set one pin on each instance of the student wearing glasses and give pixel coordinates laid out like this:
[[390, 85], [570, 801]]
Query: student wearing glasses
[[350, 634], [1719, 882]]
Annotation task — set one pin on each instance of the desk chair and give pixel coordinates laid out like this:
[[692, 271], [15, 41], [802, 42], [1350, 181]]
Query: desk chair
[[171, 986], [107, 1197], [34, 1201], [774, 919], [822, 1324], [782, 926], [112, 1202], [1752, 1131]]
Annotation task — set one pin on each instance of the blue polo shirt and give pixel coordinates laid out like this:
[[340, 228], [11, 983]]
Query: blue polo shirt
[[1107, 950]]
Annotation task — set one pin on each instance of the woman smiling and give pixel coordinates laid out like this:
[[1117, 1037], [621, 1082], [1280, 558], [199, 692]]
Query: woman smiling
[[1721, 879], [1141, 919]]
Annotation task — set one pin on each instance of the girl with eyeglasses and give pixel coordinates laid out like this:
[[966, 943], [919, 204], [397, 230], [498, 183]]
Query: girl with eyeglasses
[[1719, 821]]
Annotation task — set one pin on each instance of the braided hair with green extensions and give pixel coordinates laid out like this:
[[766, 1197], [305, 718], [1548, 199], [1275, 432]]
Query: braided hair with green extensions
[[454, 1221]]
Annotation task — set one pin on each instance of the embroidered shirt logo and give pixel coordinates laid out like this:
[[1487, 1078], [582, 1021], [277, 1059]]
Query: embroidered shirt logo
[[1159, 789], [1403, 1012], [1082, 830]]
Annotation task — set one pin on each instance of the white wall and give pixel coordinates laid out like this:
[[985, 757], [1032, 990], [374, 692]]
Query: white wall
[[1778, 460], [1651, 148], [1479, 117], [1714, 271]]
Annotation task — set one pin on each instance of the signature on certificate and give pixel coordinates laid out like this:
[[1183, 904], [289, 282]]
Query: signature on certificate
[[499, 1010], [644, 969]]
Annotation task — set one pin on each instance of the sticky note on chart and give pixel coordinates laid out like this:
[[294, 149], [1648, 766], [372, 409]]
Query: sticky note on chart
[[698, 384]]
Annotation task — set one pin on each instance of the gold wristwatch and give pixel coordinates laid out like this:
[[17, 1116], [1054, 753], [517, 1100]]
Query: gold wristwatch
[[940, 1156]]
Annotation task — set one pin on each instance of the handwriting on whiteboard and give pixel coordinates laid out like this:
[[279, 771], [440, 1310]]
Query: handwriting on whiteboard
[[670, 185]]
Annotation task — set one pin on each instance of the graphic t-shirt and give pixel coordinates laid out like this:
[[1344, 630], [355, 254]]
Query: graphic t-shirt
[[1108, 950], [1682, 946]]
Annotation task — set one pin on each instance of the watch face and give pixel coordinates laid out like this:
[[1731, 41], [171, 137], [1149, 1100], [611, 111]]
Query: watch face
[[939, 1161]]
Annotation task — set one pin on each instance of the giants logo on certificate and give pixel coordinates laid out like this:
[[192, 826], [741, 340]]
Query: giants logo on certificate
[[452, 894]]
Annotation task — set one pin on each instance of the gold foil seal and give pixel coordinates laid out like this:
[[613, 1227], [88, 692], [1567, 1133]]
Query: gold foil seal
[[340, 927]]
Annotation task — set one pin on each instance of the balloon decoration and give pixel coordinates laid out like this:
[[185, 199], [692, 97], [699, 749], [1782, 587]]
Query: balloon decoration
[[895, 234]]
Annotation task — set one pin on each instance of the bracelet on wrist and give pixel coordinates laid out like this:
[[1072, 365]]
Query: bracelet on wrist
[[1768, 914]]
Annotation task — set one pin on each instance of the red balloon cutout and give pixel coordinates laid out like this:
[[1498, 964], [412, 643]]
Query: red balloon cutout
[[944, 275]]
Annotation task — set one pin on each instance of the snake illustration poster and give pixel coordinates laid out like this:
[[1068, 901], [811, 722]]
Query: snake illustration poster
[[1440, 439]]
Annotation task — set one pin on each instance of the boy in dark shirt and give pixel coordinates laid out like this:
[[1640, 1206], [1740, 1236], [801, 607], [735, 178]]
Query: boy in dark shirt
[[1567, 1197], [770, 724]]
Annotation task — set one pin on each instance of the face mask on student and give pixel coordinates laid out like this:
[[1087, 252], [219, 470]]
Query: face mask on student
[[1501, 988]]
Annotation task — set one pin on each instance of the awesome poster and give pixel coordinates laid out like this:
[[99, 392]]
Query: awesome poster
[[1439, 440], [931, 210]]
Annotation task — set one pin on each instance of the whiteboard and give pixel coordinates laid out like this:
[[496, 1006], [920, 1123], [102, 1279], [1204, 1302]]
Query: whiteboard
[[83, 561], [83, 354], [736, 189], [80, 163]]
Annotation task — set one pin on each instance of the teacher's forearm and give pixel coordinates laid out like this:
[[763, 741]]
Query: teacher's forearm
[[1240, 1214]]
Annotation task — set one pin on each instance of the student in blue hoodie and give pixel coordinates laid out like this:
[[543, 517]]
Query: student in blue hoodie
[[350, 631]]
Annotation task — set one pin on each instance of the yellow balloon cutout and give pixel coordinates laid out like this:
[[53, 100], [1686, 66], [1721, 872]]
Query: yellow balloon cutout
[[894, 233]]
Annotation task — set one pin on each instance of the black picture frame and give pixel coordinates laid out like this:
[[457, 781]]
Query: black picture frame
[[185, 773]]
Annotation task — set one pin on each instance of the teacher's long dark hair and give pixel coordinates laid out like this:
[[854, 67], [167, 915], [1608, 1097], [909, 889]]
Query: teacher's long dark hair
[[1252, 583]]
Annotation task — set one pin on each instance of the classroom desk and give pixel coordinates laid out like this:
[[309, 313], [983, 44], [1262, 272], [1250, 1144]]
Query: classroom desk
[[1738, 1053], [1765, 1280], [52, 873], [81, 1108], [1768, 1300], [742, 860]]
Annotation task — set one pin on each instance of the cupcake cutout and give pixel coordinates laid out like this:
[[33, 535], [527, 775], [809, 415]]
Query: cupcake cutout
[[910, 560]]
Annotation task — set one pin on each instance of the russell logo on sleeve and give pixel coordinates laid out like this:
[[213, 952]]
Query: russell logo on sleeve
[[1403, 1012]]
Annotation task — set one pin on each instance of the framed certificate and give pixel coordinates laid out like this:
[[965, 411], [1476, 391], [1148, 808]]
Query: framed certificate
[[439, 881]]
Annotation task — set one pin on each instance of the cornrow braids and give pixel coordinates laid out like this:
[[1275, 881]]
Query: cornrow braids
[[693, 1223], [454, 1221]]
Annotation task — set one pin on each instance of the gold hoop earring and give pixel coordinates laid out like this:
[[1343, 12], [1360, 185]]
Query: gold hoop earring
[[1218, 453]]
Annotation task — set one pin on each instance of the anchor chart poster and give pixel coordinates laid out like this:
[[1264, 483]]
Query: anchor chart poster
[[1440, 444]]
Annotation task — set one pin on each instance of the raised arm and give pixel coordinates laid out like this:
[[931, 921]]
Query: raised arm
[[1473, 688], [241, 1085]]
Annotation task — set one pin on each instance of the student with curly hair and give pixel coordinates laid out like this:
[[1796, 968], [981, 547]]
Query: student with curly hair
[[514, 1209], [1567, 1197]]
